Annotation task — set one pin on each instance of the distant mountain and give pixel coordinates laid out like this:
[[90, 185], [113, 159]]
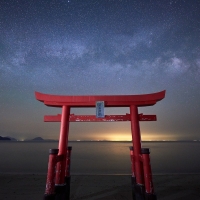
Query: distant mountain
[[40, 139], [5, 138], [12, 139], [37, 139]]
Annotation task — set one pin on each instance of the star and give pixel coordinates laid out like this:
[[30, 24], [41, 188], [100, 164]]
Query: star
[[100, 47]]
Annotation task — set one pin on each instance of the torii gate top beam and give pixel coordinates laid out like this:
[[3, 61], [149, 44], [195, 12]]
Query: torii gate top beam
[[110, 100]]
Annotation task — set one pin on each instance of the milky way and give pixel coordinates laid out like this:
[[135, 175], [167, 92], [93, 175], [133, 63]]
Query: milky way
[[100, 47]]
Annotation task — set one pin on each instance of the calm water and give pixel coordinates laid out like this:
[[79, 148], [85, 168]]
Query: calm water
[[100, 157]]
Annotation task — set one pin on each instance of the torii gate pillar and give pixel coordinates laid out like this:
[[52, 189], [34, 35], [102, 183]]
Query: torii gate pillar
[[136, 140], [142, 184], [62, 146]]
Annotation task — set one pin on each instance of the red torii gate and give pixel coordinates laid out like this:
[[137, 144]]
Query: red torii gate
[[141, 169]]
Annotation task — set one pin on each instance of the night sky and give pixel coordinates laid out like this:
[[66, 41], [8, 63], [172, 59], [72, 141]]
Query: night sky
[[90, 47]]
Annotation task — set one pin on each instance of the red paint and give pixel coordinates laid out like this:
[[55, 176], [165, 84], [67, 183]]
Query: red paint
[[92, 118], [62, 146], [110, 100], [147, 172], [68, 162], [141, 163], [50, 183], [132, 161], [136, 140]]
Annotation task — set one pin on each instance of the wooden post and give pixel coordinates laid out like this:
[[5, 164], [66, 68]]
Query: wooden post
[[63, 142], [136, 140], [67, 173], [50, 183], [149, 189]]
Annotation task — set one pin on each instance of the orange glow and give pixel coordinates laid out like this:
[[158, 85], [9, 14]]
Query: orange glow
[[128, 137], [113, 132], [155, 137], [119, 137]]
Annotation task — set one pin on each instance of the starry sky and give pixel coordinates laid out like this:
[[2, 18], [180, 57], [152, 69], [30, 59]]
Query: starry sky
[[91, 47]]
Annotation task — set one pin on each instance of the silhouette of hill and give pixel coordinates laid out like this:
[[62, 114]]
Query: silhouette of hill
[[37, 139], [40, 139], [11, 138], [5, 138]]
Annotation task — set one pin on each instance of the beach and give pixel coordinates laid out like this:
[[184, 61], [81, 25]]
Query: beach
[[100, 170], [107, 187]]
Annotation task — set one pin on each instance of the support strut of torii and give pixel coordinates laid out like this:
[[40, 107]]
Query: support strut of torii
[[141, 169]]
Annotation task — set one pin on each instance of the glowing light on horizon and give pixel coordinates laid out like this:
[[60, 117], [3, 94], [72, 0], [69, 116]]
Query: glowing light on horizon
[[128, 137], [122, 137]]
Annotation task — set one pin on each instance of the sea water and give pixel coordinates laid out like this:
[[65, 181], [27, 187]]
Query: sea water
[[100, 157]]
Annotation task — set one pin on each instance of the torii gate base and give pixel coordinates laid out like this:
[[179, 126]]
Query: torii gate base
[[58, 176], [146, 191], [52, 191]]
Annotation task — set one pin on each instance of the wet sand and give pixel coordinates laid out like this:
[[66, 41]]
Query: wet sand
[[107, 187]]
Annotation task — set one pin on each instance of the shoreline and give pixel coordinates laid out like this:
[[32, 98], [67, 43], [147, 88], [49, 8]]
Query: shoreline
[[89, 174], [107, 187]]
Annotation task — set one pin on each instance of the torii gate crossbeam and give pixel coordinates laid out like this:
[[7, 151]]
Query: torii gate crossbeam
[[93, 118]]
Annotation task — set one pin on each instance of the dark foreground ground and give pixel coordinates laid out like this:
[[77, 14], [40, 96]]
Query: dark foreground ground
[[104, 187]]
